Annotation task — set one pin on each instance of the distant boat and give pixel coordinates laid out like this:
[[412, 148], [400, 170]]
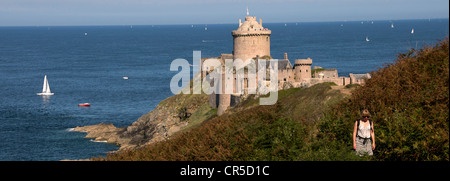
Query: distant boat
[[206, 28], [392, 25], [125, 78], [45, 88], [84, 105], [367, 39], [85, 34], [412, 31]]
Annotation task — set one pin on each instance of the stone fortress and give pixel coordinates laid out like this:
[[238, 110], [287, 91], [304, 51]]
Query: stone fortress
[[252, 41]]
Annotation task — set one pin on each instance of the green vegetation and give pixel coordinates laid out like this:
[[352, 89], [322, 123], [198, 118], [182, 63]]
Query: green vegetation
[[252, 132], [409, 104], [313, 71], [351, 85], [267, 57], [408, 101], [203, 113]]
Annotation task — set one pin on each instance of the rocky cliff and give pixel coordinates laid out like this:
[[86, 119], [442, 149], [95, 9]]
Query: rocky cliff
[[173, 114]]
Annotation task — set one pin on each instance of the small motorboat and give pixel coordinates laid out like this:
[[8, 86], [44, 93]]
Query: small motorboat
[[84, 105], [125, 78]]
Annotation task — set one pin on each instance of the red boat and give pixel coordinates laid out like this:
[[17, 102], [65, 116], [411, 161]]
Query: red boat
[[84, 105]]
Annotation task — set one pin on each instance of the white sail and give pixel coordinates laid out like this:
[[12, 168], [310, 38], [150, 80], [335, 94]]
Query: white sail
[[412, 31], [45, 88]]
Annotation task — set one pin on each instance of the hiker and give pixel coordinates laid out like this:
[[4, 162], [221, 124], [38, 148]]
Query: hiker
[[363, 135]]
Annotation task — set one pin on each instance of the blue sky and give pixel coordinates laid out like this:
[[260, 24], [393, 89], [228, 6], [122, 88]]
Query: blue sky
[[150, 12]]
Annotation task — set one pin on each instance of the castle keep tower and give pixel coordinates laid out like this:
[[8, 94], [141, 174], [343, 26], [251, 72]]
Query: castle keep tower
[[251, 39]]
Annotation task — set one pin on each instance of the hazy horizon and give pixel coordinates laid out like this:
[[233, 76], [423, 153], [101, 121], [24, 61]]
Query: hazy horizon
[[75, 25], [178, 12]]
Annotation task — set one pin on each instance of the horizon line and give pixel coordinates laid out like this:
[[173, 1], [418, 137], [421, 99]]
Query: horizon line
[[172, 24]]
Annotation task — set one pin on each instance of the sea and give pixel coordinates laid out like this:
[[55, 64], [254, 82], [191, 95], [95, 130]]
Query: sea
[[88, 63]]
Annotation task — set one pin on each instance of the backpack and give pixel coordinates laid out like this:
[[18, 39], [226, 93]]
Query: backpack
[[359, 120]]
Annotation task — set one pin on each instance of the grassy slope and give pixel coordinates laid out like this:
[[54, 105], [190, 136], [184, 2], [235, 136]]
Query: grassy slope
[[250, 132], [409, 104]]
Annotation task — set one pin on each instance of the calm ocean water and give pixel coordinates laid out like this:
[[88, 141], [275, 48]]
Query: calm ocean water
[[89, 68]]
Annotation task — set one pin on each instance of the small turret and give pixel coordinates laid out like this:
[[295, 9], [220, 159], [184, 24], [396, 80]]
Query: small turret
[[302, 69]]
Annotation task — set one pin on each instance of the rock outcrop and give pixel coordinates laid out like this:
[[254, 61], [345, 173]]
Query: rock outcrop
[[170, 116], [104, 132]]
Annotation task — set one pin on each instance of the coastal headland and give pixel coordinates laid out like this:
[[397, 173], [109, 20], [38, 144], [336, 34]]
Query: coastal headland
[[311, 118], [408, 101]]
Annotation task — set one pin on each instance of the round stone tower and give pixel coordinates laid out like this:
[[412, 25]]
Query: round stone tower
[[251, 39], [302, 69], [224, 99]]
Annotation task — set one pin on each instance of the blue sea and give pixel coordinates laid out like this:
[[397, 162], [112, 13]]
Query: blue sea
[[87, 63]]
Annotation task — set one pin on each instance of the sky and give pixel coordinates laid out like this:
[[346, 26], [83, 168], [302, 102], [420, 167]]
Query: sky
[[160, 12]]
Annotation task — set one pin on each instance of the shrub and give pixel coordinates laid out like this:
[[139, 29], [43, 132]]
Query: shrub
[[409, 104]]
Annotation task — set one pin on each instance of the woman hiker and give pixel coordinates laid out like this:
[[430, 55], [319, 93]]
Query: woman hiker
[[363, 135]]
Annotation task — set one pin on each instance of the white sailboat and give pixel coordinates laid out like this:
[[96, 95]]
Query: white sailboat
[[45, 88], [412, 31], [367, 39], [392, 25]]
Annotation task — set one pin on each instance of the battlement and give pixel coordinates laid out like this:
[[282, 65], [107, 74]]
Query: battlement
[[250, 28], [251, 33], [299, 62], [250, 18]]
